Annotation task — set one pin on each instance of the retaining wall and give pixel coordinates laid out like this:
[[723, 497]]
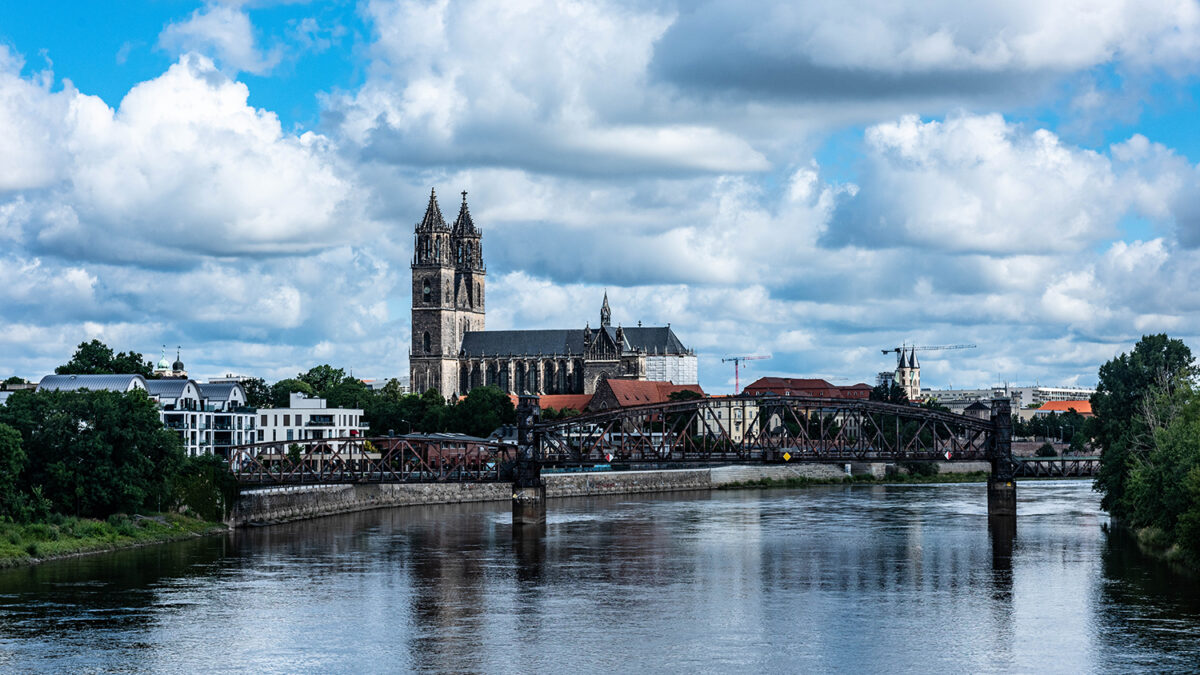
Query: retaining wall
[[273, 505]]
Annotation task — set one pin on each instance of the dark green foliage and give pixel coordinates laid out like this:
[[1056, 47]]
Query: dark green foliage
[[482, 411], [1046, 450], [920, 468], [206, 487], [96, 358], [1122, 430], [12, 464], [684, 395], [349, 393], [93, 453], [550, 414], [282, 390], [258, 394], [14, 380], [889, 394]]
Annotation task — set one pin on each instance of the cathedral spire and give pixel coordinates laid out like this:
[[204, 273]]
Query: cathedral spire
[[433, 214], [464, 224], [605, 312]]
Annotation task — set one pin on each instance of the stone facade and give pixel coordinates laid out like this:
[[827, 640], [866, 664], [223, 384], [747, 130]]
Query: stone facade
[[453, 353]]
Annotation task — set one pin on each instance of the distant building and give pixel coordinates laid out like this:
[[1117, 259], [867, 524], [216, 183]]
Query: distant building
[[307, 419], [787, 386], [172, 370], [207, 418], [452, 353], [908, 374], [1021, 397]]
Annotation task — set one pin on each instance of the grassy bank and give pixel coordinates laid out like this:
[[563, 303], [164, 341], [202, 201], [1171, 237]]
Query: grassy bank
[[1155, 543], [63, 536], [800, 481]]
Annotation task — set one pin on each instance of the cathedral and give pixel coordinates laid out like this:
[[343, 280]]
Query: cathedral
[[452, 353]]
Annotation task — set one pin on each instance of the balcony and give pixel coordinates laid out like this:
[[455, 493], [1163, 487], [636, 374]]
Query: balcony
[[319, 421]]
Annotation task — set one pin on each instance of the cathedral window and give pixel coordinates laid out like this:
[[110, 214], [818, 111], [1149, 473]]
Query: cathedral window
[[428, 343], [427, 292]]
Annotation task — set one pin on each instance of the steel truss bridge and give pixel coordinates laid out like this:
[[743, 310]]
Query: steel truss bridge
[[703, 432]]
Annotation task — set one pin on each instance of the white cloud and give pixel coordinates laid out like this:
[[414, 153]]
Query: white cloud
[[224, 33]]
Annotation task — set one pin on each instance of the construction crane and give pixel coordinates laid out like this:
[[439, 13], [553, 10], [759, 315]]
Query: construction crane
[[904, 348], [737, 361]]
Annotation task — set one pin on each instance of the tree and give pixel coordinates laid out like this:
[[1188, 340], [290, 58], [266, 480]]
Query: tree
[[258, 394], [323, 378], [12, 465], [889, 394], [1046, 450], [349, 393], [14, 380], [96, 358], [1124, 425], [282, 390], [94, 453], [482, 411]]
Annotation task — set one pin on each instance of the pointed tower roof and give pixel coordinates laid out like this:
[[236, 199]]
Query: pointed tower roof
[[605, 311], [433, 215], [915, 363], [463, 224]]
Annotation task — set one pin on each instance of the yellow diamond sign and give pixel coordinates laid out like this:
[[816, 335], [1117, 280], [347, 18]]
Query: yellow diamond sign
[[787, 456]]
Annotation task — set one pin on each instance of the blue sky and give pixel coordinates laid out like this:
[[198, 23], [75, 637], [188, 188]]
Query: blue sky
[[816, 181]]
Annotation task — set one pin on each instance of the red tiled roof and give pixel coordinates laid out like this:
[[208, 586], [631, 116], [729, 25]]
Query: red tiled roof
[[1081, 407], [560, 401], [639, 392], [806, 387]]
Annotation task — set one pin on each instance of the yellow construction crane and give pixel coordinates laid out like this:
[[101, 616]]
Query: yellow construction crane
[[737, 361]]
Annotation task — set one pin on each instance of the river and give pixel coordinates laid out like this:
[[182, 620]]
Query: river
[[845, 578]]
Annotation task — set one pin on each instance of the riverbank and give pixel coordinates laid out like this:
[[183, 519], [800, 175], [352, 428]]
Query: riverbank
[[63, 537], [805, 481], [1157, 545]]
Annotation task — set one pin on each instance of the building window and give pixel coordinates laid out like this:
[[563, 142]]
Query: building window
[[289, 434], [427, 292], [428, 343], [287, 420]]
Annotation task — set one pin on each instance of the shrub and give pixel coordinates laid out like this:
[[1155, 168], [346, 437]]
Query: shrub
[[920, 468], [1046, 450]]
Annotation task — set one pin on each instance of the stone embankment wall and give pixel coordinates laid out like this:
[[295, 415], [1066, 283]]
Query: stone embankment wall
[[273, 505]]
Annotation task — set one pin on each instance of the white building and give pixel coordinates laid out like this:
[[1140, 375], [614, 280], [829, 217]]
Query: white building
[[1022, 397], [208, 418], [677, 368], [309, 418]]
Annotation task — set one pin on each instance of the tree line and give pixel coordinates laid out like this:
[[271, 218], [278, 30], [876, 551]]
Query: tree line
[[1147, 408]]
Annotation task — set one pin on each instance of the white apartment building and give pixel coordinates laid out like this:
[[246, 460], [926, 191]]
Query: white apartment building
[[1021, 397], [309, 418], [207, 418], [739, 419]]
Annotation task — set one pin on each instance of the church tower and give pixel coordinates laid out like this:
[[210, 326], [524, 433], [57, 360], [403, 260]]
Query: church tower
[[469, 271], [433, 356]]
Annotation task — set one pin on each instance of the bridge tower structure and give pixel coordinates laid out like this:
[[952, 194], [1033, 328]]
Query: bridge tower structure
[[1002, 486]]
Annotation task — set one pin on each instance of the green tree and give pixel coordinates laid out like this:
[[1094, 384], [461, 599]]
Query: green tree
[[349, 393], [96, 358], [323, 378], [94, 453], [258, 394], [14, 380], [1046, 450], [889, 394], [282, 390], [205, 486], [482, 411], [1124, 429], [12, 465]]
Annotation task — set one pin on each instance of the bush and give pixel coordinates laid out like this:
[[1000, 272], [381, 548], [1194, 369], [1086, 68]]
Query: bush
[[1046, 450], [920, 468]]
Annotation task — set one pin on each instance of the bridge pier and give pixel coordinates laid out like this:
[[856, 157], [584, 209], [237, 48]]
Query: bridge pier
[[1002, 497], [529, 507]]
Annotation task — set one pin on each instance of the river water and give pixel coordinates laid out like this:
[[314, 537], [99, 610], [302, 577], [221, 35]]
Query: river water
[[846, 578]]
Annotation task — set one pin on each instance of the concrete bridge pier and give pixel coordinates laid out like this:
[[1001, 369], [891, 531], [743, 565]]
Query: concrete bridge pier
[[528, 507], [1001, 497]]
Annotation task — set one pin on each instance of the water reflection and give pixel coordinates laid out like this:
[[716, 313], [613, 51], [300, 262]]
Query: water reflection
[[874, 578]]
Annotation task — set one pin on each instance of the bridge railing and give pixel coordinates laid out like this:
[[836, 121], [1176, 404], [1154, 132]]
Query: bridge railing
[[402, 459]]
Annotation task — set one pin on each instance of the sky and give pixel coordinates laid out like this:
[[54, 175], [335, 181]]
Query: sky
[[814, 181]]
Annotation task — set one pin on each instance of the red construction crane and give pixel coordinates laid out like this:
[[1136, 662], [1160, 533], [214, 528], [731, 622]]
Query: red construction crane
[[737, 361]]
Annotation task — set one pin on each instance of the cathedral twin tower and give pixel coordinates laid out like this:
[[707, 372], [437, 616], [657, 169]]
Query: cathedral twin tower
[[447, 291]]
